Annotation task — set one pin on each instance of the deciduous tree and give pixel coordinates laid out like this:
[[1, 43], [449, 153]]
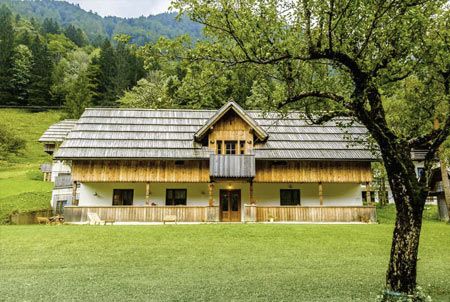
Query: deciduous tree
[[343, 58]]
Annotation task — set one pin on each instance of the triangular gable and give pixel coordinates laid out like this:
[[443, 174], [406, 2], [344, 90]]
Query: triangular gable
[[259, 132]]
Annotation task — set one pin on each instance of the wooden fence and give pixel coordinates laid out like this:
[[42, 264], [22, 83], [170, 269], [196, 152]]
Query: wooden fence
[[28, 217], [143, 213], [254, 213]]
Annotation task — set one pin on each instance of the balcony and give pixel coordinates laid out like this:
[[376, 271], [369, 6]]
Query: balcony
[[232, 166]]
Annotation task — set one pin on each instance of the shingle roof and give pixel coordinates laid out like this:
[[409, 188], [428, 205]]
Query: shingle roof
[[261, 134], [56, 133], [144, 134]]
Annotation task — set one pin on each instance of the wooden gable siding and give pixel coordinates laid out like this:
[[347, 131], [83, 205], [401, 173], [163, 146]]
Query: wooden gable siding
[[313, 171], [140, 171], [231, 127]]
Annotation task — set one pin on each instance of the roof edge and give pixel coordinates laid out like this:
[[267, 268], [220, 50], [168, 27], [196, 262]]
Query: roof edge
[[231, 105]]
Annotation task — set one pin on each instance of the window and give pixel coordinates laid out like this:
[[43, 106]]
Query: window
[[289, 197], [219, 147], [420, 172], [179, 163], [123, 197], [60, 204], [175, 197], [242, 147], [230, 147]]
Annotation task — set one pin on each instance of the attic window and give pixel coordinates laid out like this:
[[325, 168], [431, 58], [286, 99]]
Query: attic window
[[279, 163], [179, 163]]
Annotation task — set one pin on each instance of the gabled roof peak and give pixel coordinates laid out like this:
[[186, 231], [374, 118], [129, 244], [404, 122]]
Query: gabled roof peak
[[231, 105]]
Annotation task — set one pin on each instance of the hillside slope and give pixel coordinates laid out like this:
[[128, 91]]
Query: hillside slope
[[142, 29], [21, 185]]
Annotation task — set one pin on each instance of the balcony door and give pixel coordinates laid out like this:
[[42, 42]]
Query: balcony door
[[230, 205]]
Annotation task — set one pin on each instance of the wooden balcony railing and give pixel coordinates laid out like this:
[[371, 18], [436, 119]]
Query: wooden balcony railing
[[143, 213], [232, 166], [254, 213]]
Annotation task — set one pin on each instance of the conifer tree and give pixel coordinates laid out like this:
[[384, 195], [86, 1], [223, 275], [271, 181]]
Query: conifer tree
[[107, 72], [41, 74], [21, 69], [6, 54]]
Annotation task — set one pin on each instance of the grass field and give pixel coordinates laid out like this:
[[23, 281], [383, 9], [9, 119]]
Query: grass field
[[21, 185], [212, 262]]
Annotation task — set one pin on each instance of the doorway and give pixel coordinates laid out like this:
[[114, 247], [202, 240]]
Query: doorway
[[230, 205]]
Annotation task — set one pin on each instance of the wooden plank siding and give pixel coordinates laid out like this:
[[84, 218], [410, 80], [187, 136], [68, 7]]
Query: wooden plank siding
[[194, 171], [143, 213], [315, 213], [313, 171], [191, 171], [231, 127]]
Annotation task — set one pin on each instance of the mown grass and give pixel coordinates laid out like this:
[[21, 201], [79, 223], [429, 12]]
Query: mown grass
[[21, 185], [211, 262]]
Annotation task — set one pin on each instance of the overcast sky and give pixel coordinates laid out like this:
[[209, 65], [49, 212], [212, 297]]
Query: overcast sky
[[124, 8]]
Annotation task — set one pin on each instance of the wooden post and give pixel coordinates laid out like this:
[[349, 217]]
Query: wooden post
[[252, 199], [321, 193], [211, 194], [147, 193], [74, 194], [368, 196]]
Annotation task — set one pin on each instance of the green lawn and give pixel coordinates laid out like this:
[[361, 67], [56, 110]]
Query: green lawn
[[21, 185], [211, 262]]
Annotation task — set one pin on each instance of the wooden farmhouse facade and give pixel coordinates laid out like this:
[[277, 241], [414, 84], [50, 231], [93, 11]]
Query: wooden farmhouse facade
[[227, 165]]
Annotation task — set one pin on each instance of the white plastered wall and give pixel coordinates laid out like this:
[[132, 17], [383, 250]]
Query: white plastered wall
[[334, 194], [59, 167], [342, 194]]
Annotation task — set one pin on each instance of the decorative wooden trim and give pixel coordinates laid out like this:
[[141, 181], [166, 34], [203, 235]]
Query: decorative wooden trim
[[321, 193]]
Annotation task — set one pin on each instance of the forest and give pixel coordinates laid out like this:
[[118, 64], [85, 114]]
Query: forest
[[45, 63]]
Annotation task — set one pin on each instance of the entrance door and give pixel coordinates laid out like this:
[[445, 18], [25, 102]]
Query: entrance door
[[230, 205]]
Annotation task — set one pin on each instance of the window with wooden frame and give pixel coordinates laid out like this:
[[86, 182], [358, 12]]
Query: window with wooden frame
[[241, 147], [176, 197], [219, 147], [230, 147], [290, 197], [123, 197]]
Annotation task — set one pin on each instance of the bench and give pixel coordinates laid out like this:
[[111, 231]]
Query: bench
[[169, 218]]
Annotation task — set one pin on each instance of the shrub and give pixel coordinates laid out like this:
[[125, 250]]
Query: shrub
[[9, 142]]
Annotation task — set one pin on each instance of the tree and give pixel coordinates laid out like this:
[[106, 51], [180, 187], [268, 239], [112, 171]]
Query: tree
[[148, 93], [342, 58], [22, 61], [79, 96], [41, 74], [76, 35], [50, 26], [6, 54], [106, 75]]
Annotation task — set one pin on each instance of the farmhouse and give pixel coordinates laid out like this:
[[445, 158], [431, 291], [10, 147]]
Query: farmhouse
[[228, 165]]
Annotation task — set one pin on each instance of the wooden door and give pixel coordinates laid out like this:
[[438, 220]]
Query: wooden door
[[230, 205]]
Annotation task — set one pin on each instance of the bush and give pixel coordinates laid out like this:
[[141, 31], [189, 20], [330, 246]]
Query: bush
[[9, 142]]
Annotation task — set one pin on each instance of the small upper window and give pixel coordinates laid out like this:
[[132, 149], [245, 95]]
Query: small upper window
[[290, 197], [230, 147], [219, 147], [242, 147], [420, 172]]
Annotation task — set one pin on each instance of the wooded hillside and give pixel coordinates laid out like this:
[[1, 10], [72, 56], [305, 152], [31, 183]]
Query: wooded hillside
[[142, 30]]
